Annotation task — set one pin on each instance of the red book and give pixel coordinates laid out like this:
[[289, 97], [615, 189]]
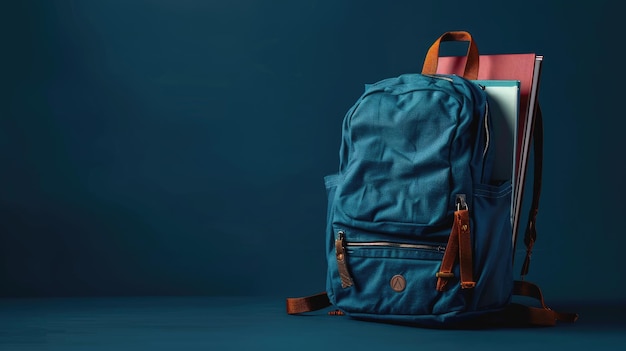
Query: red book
[[526, 69], [500, 67]]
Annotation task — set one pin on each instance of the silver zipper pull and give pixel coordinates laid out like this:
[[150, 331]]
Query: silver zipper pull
[[461, 203]]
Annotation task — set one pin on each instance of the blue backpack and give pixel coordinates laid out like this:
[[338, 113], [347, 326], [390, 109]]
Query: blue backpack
[[418, 231]]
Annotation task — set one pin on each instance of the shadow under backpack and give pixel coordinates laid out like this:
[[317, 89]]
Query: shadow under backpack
[[417, 230]]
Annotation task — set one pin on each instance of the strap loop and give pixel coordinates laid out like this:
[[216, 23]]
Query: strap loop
[[459, 245]]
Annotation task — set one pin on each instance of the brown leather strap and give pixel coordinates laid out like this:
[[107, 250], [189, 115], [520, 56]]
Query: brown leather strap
[[342, 265], [447, 262], [465, 250], [514, 313], [471, 63], [315, 302], [540, 316], [459, 245]]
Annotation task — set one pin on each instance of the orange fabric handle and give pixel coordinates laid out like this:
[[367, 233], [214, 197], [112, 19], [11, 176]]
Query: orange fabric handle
[[471, 64]]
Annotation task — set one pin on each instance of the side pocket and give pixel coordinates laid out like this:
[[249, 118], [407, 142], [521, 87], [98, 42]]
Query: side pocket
[[330, 182], [492, 246]]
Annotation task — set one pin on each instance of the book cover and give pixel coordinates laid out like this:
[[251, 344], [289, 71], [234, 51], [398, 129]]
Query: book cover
[[503, 98], [519, 67], [526, 140]]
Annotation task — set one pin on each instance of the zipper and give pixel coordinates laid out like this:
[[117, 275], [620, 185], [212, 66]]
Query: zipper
[[435, 76], [485, 122], [487, 132], [461, 202], [438, 248], [341, 246]]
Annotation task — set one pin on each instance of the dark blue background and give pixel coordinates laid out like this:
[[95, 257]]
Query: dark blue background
[[178, 147]]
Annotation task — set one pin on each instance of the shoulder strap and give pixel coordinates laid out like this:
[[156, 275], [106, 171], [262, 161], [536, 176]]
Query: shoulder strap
[[525, 314]]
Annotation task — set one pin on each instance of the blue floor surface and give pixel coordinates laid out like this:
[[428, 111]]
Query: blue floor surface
[[210, 323]]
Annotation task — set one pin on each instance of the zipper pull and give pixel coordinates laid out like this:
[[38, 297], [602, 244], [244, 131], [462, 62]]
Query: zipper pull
[[342, 266], [461, 203], [459, 249]]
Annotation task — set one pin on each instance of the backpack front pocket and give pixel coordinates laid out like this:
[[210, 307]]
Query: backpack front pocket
[[390, 278]]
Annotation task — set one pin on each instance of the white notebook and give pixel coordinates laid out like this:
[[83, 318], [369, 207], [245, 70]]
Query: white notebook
[[503, 97]]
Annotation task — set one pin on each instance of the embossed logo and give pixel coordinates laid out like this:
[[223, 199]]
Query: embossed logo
[[398, 283]]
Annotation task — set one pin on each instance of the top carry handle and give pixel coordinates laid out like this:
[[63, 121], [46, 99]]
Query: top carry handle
[[471, 64]]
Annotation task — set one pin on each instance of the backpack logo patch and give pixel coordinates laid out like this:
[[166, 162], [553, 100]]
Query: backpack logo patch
[[398, 283]]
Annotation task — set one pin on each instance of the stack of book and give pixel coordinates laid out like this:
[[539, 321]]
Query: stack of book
[[512, 84]]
